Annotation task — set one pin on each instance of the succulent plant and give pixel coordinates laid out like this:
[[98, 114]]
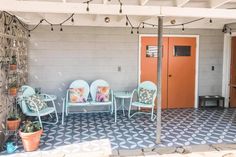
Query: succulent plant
[[30, 127], [13, 60], [13, 116]]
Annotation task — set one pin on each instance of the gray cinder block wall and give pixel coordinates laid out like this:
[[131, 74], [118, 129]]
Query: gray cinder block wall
[[57, 58]]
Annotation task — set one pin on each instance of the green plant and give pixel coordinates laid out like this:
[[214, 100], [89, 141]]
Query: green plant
[[13, 60], [13, 116], [30, 127]]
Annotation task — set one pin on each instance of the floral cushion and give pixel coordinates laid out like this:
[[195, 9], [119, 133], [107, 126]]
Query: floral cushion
[[76, 95], [33, 100], [102, 94], [146, 96]]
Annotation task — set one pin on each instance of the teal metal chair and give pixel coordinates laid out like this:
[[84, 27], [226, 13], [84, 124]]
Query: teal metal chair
[[149, 86], [76, 84], [29, 91]]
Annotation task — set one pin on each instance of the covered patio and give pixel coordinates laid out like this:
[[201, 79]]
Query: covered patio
[[182, 49]]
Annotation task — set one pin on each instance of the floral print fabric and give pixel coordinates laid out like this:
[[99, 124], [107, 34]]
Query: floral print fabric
[[76, 95], [146, 96], [35, 100], [102, 94]]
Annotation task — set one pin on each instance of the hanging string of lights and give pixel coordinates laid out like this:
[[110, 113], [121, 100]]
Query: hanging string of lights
[[71, 18], [143, 24]]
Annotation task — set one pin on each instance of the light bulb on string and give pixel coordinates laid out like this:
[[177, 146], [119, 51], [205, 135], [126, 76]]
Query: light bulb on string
[[51, 27], [210, 20], [72, 19], [143, 24], [61, 29], [87, 9], [29, 34], [137, 31], [132, 32], [120, 8], [183, 27]]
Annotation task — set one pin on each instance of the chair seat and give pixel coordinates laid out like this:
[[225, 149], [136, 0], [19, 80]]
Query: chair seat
[[139, 104], [79, 104], [43, 112], [100, 103]]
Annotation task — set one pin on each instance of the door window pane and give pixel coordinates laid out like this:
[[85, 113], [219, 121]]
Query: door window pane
[[182, 50]]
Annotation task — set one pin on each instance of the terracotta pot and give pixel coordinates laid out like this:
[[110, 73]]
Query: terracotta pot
[[13, 91], [31, 140], [13, 125], [13, 67]]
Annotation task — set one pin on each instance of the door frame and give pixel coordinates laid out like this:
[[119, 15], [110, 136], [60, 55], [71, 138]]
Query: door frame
[[226, 67], [196, 63]]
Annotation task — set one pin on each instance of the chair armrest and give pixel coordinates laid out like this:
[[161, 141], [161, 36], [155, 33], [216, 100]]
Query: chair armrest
[[135, 91], [111, 94], [46, 96]]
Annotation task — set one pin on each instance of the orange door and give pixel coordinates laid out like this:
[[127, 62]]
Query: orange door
[[178, 77], [149, 64], [233, 73], [181, 72]]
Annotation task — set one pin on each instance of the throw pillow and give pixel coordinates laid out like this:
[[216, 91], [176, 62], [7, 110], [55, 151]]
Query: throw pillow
[[146, 96], [33, 100], [102, 94], [76, 95]]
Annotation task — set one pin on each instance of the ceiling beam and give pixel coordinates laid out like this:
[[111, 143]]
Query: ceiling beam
[[143, 2], [102, 9], [180, 3], [218, 3]]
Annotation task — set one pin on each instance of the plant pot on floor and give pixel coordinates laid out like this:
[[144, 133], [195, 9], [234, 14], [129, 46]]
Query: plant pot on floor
[[13, 124], [31, 140], [30, 134]]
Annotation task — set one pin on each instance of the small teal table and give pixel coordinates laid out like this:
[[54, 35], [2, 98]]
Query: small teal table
[[122, 95]]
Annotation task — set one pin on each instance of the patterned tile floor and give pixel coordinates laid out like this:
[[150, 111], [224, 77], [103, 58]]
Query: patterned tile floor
[[180, 127]]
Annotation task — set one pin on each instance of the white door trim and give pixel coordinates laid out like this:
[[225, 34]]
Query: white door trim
[[196, 66], [226, 68]]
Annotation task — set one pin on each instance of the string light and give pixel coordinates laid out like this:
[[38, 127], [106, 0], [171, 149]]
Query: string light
[[132, 32], [61, 28], [29, 34], [210, 20], [51, 27], [72, 19], [87, 9], [137, 31], [143, 24], [120, 7], [183, 27]]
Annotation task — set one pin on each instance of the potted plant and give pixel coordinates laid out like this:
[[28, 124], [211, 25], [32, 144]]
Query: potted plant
[[13, 88], [13, 64], [13, 121], [30, 134]]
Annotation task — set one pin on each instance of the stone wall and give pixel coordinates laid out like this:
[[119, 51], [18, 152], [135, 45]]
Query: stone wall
[[13, 60]]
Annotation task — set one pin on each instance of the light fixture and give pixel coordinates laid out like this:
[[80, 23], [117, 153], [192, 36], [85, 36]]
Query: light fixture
[[29, 34], [120, 7], [87, 9], [61, 28], [132, 32], [107, 19], [137, 31], [210, 20], [51, 27], [72, 19], [183, 27], [173, 21]]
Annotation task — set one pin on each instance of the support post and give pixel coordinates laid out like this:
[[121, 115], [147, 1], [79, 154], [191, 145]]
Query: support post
[[159, 78]]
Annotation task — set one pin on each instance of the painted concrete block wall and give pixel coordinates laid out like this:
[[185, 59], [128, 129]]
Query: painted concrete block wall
[[57, 58]]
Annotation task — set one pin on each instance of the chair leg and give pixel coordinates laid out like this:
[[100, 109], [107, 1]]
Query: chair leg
[[130, 105], [40, 121], [152, 113], [66, 110]]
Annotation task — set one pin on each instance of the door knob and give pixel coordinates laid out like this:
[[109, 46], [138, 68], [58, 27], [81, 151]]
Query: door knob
[[170, 75]]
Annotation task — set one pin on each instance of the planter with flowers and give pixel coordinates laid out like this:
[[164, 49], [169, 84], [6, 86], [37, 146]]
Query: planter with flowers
[[13, 64], [30, 134], [13, 121], [13, 88]]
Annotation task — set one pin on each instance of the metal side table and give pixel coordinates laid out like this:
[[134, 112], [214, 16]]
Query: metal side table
[[122, 96]]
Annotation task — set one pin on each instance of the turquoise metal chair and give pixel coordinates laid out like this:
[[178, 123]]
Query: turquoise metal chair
[[76, 84], [29, 91], [149, 86]]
